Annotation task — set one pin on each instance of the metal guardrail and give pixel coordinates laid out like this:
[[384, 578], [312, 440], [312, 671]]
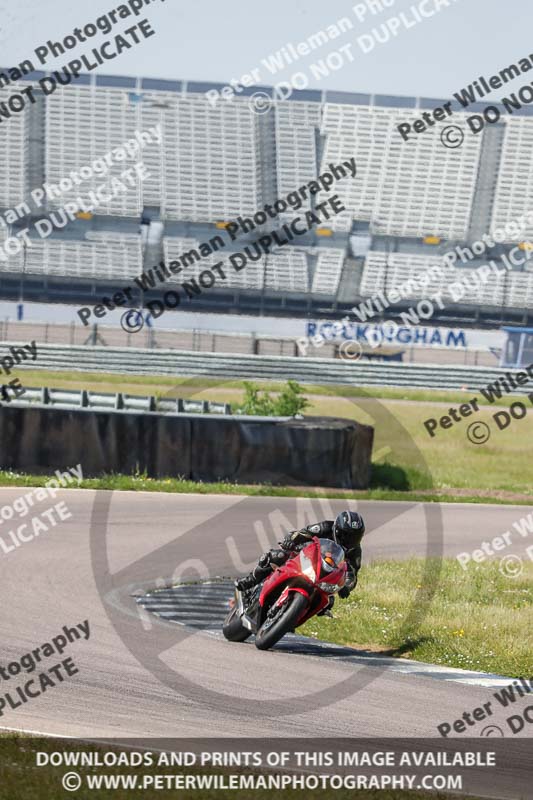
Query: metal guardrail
[[103, 401], [273, 368]]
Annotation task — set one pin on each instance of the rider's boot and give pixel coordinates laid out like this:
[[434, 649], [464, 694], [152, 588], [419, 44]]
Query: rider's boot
[[258, 574]]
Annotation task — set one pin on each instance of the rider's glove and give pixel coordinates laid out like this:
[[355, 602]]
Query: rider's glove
[[350, 584], [295, 539]]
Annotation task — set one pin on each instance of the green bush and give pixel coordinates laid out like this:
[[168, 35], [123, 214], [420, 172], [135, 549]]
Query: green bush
[[289, 402]]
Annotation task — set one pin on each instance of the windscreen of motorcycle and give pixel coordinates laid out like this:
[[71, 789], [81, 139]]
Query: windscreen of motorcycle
[[332, 555]]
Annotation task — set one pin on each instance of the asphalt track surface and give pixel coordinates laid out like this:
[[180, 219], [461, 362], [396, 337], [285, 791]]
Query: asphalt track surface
[[221, 689]]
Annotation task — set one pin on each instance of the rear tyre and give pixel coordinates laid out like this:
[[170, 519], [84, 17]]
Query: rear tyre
[[267, 636], [233, 629]]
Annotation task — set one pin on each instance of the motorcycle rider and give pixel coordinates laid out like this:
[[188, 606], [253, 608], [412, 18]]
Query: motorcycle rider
[[347, 530]]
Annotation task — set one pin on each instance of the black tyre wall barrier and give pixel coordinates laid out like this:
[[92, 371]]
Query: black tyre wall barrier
[[317, 451]]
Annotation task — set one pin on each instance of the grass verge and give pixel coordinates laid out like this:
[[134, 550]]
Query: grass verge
[[142, 483], [478, 618]]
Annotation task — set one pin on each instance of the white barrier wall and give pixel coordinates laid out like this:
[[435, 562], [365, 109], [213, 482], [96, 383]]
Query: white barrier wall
[[331, 330]]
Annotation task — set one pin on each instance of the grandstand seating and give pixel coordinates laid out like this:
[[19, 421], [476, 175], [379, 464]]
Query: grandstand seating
[[328, 272], [520, 291], [296, 151], [218, 162], [212, 164], [283, 272], [514, 188], [363, 133], [405, 188], [287, 272], [111, 259], [14, 146], [84, 123], [387, 271], [383, 271], [11, 263], [250, 278]]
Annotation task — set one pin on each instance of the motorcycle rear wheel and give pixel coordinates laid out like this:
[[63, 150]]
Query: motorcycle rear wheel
[[296, 605], [233, 629]]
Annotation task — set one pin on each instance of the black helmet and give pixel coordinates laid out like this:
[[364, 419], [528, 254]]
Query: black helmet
[[348, 529]]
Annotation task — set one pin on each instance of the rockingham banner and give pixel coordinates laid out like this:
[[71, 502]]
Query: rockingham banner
[[402, 336]]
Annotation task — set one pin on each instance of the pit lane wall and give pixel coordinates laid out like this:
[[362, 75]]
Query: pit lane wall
[[313, 451]]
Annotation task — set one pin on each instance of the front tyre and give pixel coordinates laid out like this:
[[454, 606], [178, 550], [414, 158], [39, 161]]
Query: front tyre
[[233, 629], [285, 620]]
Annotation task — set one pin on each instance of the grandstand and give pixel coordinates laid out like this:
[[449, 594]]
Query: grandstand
[[15, 161], [409, 203], [111, 257], [384, 271]]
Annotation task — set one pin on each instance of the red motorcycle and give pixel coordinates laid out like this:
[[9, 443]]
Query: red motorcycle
[[287, 598]]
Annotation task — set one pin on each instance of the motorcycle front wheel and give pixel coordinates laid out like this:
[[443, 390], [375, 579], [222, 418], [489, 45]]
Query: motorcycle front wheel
[[272, 630]]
